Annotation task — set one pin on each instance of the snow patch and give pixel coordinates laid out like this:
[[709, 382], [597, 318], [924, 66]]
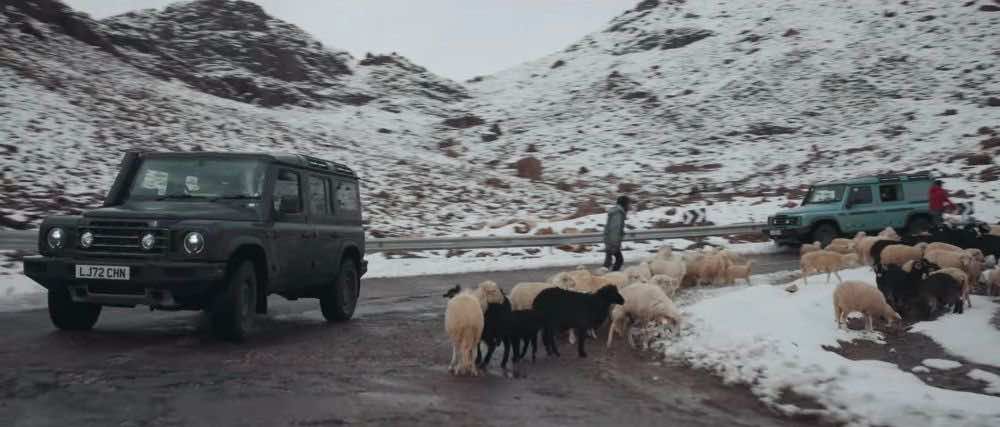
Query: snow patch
[[941, 364]]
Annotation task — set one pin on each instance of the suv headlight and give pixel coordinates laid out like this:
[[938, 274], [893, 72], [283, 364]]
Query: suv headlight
[[194, 242], [56, 238]]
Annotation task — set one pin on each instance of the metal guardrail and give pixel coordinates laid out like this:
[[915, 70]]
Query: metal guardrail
[[27, 240]]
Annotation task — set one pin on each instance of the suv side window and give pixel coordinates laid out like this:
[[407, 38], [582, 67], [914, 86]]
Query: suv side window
[[347, 196], [861, 195], [319, 190], [287, 193], [890, 193]]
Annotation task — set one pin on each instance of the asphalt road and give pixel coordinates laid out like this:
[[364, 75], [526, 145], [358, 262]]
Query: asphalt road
[[386, 367]]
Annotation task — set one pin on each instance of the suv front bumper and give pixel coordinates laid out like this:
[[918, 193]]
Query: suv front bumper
[[790, 235], [162, 284]]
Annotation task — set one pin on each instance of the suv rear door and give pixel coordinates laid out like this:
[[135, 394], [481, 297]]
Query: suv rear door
[[861, 210], [347, 208], [325, 253], [894, 205], [291, 232]]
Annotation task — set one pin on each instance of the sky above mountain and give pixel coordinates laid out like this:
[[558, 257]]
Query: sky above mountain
[[459, 39]]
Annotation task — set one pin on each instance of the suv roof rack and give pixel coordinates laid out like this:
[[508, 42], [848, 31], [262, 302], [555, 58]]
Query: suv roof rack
[[903, 177], [318, 163]]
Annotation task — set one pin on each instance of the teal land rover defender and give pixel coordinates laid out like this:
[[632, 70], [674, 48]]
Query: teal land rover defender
[[869, 204]]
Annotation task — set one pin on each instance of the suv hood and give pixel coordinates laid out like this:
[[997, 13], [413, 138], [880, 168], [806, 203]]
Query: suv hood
[[180, 210], [808, 209]]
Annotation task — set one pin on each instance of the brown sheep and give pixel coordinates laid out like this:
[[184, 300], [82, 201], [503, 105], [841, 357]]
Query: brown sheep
[[854, 295], [810, 247], [737, 271], [899, 254], [826, 262]]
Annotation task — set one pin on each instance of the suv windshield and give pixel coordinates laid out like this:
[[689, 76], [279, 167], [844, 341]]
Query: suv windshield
[[166, 179], [824, 194]]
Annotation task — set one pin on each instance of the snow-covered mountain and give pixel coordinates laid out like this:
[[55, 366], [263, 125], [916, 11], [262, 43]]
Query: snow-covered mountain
[[678, 103]]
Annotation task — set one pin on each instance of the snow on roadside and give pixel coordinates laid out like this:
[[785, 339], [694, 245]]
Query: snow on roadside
[[992, 380], [774, 341], [941, 364], [970, 335]]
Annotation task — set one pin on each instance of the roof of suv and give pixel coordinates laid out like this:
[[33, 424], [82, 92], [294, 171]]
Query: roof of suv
[[298, 160], [875, 179]]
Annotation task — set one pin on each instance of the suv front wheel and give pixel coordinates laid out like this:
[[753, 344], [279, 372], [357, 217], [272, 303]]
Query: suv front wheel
[[69, 315], [233, 309], [339, 300], [824, 233]]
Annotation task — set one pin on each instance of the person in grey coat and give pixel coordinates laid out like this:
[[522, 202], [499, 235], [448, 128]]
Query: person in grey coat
[[614, 232]]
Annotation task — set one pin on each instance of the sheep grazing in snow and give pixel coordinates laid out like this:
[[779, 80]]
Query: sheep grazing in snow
[[676, 268], [810, 247], [826, 262], [899, 254], [523, 294], [643, 303], [856, 296], [463, 321], [739, 271], [561, 310], [668, 284], [638, 273], [841, 246], [962, 278]]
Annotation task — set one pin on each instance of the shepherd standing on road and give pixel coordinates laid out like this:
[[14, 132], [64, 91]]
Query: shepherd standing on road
[[939, 202], [614, 232]]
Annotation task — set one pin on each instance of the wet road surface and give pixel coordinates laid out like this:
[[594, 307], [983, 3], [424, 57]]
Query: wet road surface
[[386, 367]]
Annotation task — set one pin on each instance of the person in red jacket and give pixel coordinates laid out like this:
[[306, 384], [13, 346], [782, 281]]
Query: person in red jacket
[[939, 202]]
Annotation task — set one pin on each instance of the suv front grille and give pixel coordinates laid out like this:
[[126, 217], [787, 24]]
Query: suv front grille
[[123, 237], [784, 220]]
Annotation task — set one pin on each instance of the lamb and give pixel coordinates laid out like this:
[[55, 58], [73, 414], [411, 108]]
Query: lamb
[[463, 321], [643, 303], [853, 295], [668, 284], [511, 328], [826, 262], [736, 271], [899, 254], [638, 273], [810, 247], [523, 294], [712, 269], [561, 309]]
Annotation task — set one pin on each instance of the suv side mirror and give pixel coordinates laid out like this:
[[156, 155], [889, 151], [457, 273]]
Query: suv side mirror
[[288, 205]]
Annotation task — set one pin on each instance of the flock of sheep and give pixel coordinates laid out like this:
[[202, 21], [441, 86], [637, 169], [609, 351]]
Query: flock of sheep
[[580, 302], [917, 277]]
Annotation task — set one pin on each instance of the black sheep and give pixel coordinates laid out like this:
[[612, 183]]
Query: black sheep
[[522, 328], [561, 310], [494, 327], [989, 244], [897, 285], [936, 292]]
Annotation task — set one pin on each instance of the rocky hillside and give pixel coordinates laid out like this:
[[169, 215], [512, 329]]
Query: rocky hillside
[[749, 97], [222, 75]]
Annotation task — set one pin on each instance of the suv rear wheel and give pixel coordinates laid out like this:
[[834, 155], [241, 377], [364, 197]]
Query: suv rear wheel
[[233, 309], [824, 233], [69, 315], [338, 301]]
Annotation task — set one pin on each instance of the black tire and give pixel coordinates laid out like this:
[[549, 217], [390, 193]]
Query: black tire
[[918, 225], [339, 301], [824, 233], [69, 315], [234, 307]]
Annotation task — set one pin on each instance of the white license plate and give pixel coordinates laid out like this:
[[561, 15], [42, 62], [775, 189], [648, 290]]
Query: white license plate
[[775, 232], [102, 272]]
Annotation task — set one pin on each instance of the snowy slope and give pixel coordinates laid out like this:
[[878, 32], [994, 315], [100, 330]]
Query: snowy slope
[[736, 96]]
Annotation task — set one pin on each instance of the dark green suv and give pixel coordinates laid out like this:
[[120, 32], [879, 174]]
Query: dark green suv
[[212, 231], [844, 208]]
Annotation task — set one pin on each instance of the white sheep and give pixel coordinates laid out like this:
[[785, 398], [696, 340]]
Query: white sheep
[[643, 303], [826, 262], [522, 296], [889, 234], [638, 273], [691, 262], [946, 259], [900, 254], [941, 246], [665, 252], [573, 280], [993, 282], [856, 296], [739, 271], [712, 269], [669, 284], [841, 246], [488, 293], [810, 247], [463, 321], [672, 267]]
